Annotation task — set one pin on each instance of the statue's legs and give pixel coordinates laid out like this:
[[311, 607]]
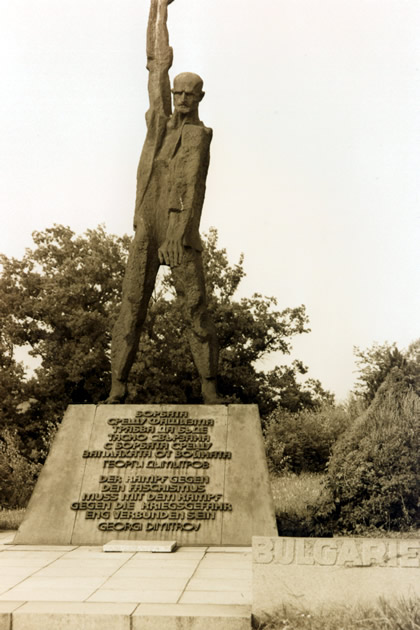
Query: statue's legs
[[190, 287], [138, 285]]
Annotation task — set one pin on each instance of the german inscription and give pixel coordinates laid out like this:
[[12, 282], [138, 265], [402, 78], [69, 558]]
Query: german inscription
[[156, 473]]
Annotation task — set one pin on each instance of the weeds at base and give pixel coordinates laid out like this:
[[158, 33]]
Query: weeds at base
[[400, 614], [11, 519]]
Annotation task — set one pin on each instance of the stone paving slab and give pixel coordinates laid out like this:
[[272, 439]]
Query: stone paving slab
[[118, 583], [47, 594], [73, 616], [155, 572], [196, 550], [63, 548], [167, 559], [177, 610], [15, 558], [229, 550], [137, 596], [7, 607], [90, 553], [36, 581], [216, 597], [74, 571], [220, 584], [191, 617], [9, 581], [193, 588], [15, 574], [220, 572]]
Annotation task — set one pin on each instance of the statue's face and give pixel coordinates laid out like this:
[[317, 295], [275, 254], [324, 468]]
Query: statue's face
[[187, 93]]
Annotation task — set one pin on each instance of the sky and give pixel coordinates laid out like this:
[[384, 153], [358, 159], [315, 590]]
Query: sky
[[314, 173]]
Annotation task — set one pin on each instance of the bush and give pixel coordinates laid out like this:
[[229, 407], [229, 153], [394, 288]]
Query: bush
[[373, 478], [11, 519], [293, 496], [302, 441], [17, 474]]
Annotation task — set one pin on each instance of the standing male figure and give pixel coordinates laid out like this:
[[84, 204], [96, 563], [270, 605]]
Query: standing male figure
[[171, 181]]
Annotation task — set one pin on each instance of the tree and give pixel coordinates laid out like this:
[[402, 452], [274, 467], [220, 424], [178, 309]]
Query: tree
[[17, 474], [302, 441], [62, 298], [373, 476], [12, 383], [376, 363]]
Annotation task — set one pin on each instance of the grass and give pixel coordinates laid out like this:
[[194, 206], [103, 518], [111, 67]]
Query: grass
[[11, 519], [401, 614], [293, 495]]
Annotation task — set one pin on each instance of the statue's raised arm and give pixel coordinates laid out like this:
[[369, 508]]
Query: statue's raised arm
[[159, 57]]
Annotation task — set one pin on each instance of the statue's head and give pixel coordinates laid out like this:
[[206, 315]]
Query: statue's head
[[187, 92]]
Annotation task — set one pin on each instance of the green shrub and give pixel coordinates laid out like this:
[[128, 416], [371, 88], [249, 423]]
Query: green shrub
[[293, 496], [373, 478], [17, 474], [11, 519], [302, 441]]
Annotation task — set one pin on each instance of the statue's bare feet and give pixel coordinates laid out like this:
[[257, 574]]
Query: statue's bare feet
[[117, 394], [210, 394]]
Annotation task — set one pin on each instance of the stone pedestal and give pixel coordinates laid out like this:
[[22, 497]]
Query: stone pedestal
[[196, 474]]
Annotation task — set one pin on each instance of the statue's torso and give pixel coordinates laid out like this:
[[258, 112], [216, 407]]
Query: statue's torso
[[172, 160]]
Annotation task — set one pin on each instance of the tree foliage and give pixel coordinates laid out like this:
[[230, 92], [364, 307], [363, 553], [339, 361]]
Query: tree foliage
[[17, 472], [12, 385], [375, 363], [374, 473], [61, 300], [302, 441], [248, 330]]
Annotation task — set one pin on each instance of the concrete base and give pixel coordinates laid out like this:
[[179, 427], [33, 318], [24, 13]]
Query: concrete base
[[192, 588], [194, 473]]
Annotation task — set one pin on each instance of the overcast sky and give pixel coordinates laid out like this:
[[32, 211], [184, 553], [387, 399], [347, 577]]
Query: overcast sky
[[314, 170]]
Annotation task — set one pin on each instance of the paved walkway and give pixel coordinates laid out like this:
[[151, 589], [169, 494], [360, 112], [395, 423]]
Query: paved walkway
[[199, 588]]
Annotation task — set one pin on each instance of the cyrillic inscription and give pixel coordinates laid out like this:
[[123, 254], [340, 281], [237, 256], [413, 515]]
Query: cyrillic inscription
[[156, 475]]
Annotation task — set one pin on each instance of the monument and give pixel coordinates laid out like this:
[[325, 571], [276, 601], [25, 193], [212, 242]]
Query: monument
[[171, 182], [196, 474]]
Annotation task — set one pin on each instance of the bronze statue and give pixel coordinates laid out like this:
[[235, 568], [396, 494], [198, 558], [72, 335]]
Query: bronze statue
[[171, 181]]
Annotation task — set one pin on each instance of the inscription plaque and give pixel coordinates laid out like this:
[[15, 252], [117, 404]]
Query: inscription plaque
[[196, 474], [156, 474]]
